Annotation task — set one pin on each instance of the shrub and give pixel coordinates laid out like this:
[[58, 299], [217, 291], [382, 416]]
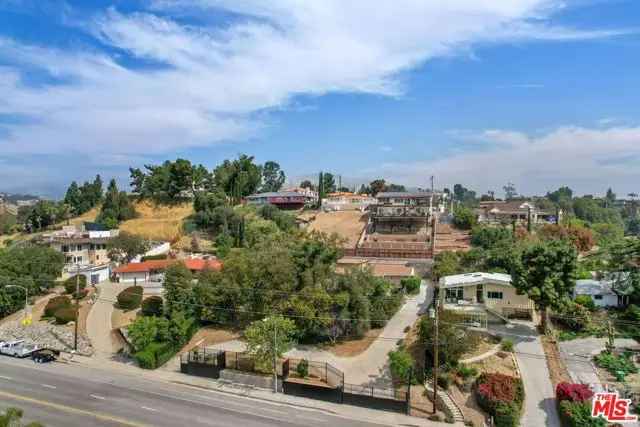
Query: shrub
[[578, 414], [444, 381], [507, 345], [500, 396], [146, 359], [449, 419], [155, 355], [70, 284], [400, 365], [56, 303], [130, 298], [573, 392], [411, 285], [154, 257], [587, 302], [152, 306], [467, 371], [64, 315], [435, 417], [574, 316], [616, 364], [303, 368]]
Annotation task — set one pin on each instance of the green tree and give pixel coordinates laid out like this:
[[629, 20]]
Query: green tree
[[377, 186], [12, 418], [272, 177], [41, 216], [546, 273], [269, 339], [453, 340], [145, 330], [607, 234], [328, 183], [510, 191], [72, 197], [126, 246], [179, 292], [489, 237], [308, 184], [238, 178], [117, 207], [463, 195], [464, 218], [401, 365]]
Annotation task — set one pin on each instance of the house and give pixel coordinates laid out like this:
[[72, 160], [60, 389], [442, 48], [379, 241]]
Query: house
[[391, 270], [405, 211], [601, 292], [506, 212], [283, 199], [346, 201], [85, 249], [153, 270], [490, 293]]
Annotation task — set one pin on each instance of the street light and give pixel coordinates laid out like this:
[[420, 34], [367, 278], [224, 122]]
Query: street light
[[26, 298]]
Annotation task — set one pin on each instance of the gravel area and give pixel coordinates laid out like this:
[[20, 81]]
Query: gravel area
[[45, 335]]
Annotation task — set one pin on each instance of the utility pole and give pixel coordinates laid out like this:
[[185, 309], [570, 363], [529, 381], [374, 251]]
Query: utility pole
[[610, 336], [75, 334], [275, 359], [435, 358]]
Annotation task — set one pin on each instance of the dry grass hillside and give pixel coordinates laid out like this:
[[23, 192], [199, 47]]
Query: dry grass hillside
[[158, 222], [347, 224], [89, 216]]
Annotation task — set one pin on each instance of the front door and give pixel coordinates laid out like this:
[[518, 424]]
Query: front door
[[479, 295]]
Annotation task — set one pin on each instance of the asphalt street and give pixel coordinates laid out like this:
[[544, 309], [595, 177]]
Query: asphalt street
[[68, 395]]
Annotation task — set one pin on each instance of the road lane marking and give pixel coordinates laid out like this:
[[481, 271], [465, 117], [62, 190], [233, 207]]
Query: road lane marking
[[72, 410], [97, 397], [149, 409], [49, 386], [6, 378]]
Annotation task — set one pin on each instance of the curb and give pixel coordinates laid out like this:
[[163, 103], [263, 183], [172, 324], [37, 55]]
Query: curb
[[295, 405]]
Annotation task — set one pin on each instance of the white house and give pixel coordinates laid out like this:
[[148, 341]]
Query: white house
[[601, 292]]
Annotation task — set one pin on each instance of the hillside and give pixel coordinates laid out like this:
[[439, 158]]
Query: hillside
[[346, 224], [158, 222]]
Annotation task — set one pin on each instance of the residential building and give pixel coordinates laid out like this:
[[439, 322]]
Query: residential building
[[283, 199], [346, 201], [153, 270], [506, 212], [84, 248], [405, 211], [391, 270], [478, 293], [602, 292]]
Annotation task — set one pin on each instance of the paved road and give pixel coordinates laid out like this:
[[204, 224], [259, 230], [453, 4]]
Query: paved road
[[371, 366], [539, 405], [63, 395]]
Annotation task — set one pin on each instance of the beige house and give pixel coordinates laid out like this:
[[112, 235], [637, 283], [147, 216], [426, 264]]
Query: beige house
[[484, 292]]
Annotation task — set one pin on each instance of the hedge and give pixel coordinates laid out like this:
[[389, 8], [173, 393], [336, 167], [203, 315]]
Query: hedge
[[152, 306], [70, 284], [578, 414], [65, 315], [155, 355], [411, 285], [56, 303], [154, 257], [500, 396], [130, 298]]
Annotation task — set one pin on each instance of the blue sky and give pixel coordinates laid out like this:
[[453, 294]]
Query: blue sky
[[540, 93]]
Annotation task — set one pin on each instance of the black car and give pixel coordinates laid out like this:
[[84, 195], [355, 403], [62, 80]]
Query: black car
[[44, 356]]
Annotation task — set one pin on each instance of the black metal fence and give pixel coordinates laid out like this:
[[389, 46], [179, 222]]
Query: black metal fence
[[239, 361], [390, 399], [320, 371], [203, 362]]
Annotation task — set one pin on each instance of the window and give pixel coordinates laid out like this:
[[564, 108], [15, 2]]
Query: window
[[65, 248], [597, 297], [454, 294], [494, 295]]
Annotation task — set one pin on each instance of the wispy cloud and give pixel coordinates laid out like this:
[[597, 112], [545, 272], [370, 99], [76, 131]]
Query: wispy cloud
[[571, 155], [213, 81]]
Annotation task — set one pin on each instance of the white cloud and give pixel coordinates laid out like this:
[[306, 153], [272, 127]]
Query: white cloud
[[210, 82], [583, 158]]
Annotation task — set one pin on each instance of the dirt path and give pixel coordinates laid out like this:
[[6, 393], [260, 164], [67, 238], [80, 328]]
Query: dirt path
[[99, 327]]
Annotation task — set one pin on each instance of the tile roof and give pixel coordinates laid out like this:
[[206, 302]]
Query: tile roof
[[161, 264]]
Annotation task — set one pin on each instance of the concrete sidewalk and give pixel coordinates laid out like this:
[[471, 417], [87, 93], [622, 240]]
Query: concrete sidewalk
[[179, 379]]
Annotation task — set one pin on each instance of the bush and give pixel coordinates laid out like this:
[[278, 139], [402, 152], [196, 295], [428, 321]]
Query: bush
[[56, 303], [152, 306], [507, 345], [467, 371], [155, 355], [578, 414], [574, 316], [154, 257], [444, 381], [621, 365], [146, 359], [464, 218], [573, 392], [587, 302], [411, 285], [303, 368], [64, 315], [400, 365], [130, 298], [500, 396], [70, 284]]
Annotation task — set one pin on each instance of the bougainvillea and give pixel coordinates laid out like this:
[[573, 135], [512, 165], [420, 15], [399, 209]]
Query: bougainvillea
[[501, 396], [573, 392]]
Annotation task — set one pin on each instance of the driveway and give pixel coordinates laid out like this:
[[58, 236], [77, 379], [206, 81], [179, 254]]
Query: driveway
[[99, 326], [539, 405], [370, 367]]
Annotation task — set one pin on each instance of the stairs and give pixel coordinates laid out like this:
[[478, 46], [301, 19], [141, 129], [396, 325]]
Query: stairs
[[458, 416]]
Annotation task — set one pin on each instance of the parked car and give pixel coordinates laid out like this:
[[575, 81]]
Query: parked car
[[17, 348], [45, 355]]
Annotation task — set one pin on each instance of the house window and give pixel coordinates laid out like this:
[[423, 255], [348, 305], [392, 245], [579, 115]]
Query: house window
[[494, 295], [597, 297], [453, 294], [65, 248]]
